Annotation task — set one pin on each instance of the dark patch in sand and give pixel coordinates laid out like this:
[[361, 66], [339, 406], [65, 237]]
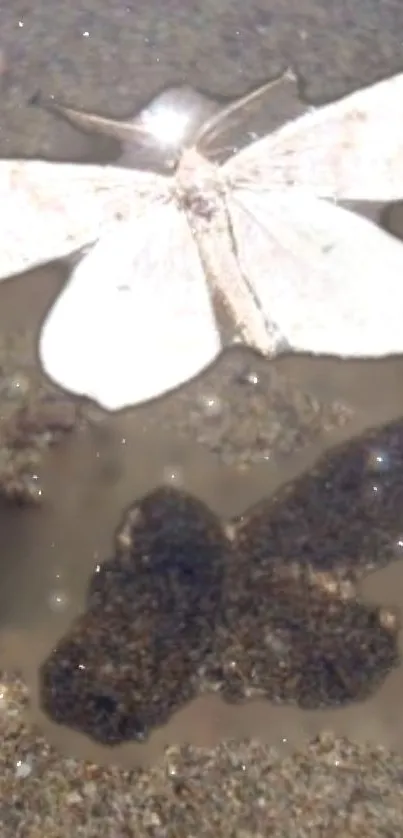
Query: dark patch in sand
[[267, 609], [299, 641], [347, 511]]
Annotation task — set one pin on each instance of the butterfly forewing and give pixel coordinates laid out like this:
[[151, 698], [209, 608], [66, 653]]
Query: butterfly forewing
[[329, 279], [135, 319], [349, 150], [50, 210]]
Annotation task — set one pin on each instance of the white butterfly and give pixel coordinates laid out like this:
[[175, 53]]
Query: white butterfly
[[258, 239]]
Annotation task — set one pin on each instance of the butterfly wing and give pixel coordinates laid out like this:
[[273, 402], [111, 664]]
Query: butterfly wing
[[50, 210], [349, 150], [135, 319], [331, 281]]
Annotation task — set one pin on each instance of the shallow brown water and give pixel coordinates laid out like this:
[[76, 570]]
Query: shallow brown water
[[94, 475], [49, 553]]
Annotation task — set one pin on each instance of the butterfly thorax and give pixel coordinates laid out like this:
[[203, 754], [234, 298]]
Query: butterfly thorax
[[198, 185]]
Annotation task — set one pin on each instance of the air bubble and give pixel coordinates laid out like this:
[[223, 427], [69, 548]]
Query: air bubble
[[378, 460], [173, 475], [58, 601]]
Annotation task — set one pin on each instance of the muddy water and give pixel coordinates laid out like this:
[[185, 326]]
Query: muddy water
[[48, 554]]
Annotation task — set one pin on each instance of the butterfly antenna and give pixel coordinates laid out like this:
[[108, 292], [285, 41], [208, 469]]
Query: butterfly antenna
[[212, 126], [93, 123]]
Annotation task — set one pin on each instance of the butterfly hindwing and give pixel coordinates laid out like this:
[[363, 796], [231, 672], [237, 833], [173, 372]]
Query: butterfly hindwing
[[330, 280], [135, 320]]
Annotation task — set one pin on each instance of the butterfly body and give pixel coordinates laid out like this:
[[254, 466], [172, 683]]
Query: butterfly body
[[198, 186]]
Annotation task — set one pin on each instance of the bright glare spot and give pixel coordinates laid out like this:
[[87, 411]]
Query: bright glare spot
[[167, 125], [211, 404], [379, 460], [173, 475], [58, 601]]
